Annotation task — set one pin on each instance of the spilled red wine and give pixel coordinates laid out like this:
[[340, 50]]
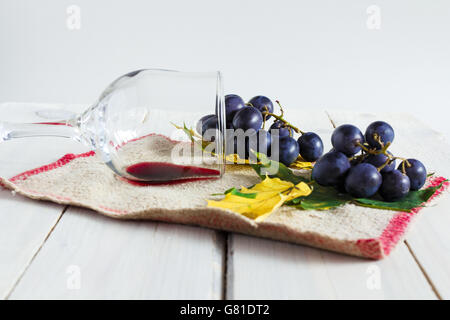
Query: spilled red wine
[[54, 123], [163, 173]]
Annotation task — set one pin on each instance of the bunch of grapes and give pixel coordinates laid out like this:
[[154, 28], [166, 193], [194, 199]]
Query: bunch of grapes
[[361, 165], [246, 130]]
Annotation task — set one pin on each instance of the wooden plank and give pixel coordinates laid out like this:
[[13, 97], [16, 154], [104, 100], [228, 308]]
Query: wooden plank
[[119, 259], [429, 238], [264, 269], [25, 223], [89, 256], [24, 228]]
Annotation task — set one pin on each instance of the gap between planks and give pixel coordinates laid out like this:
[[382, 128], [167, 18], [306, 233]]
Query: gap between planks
[[226, 237], [228, 276], [13, 287], [405, 242], [424, 272]]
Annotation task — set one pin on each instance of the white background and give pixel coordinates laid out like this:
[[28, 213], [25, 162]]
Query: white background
[[308, 54]]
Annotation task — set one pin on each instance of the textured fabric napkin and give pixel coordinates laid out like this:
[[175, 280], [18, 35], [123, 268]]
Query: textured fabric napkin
[[84, 180]]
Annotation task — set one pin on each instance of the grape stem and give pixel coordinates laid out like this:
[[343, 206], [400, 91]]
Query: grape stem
[[383, 150], [281, 108], [265, 116], [360, 158], [405, 163], [388, 161], [280, 118]]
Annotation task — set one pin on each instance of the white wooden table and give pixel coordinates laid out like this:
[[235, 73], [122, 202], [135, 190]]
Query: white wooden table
[[53, 251]]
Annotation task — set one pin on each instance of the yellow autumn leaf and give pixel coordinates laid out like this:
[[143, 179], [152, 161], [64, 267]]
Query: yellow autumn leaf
[[262, 199], [301, 163], [235, 159]]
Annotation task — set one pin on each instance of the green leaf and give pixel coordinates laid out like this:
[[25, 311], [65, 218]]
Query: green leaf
[[229, 190], [189, 132], [194, 137], [322, 198], [283, 172], [225, 192], [236, 192], [413, 200]]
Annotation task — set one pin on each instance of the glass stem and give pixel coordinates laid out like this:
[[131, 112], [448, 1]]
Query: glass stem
[[64, 128]]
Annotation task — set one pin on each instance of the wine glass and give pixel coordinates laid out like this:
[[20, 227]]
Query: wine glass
[[141, 126]]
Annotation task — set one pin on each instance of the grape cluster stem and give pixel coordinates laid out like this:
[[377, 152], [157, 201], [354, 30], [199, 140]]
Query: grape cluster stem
[[278, 117], [373, 151]]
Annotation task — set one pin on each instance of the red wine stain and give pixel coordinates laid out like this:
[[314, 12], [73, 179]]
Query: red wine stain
[[54, 123], [163, 173], [162, 183]]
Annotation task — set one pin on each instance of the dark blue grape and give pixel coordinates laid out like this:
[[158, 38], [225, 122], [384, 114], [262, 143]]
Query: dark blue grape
[[231, 144], [283, 131], [331, 168], [341, 185], [261, 103], [201, 122], [261, 141], [287, 151], [237, 143], [395, 185], [383, 130], [363, 180], [311, 146], [205, 124], [233, 103], [380, 159], [345, 139], [417, 173], [355, 161], [248, 118]]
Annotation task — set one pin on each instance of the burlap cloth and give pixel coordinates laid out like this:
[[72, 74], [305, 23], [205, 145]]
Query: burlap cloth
[[84, 180]]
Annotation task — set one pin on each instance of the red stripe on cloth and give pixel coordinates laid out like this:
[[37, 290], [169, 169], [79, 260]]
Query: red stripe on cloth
[[58, 163], [376, 248]]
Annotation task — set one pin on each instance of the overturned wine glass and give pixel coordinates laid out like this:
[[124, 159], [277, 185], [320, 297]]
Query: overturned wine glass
[[135, 124]]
